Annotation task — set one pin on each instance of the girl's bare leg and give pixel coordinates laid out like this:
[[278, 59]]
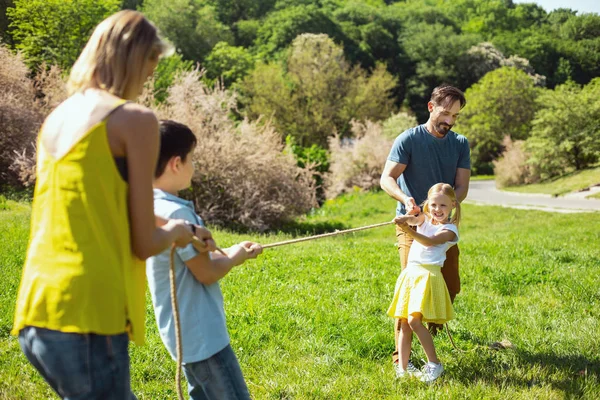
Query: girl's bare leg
[[424, 336], [404, 343]]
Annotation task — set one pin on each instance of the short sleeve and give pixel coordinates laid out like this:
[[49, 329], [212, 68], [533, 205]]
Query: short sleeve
[[401, 150], [464, 158], [451, 228], [188, 252]]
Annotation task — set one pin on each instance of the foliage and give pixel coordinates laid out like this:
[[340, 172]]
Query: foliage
[[319, 93], [229, 63], [435, 61], [5, 36], [242, 179], [164, 75], [511, 168], [192, 25], [23, 105], [484, 57], [501, 103], [55, 31], [565, 134], [282, 26], [357, 162], [398, 123], [576, 181]]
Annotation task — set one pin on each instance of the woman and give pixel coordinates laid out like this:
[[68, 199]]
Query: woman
[[82, 291]]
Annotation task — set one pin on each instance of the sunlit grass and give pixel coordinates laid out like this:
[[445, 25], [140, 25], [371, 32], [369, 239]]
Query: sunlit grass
[[563, 185], [307, 321]]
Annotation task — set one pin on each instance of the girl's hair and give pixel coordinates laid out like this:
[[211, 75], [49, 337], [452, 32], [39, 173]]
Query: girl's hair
[[116, 55], [446, 189]]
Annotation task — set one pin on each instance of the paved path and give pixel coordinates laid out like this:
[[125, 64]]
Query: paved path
[[485, 192]]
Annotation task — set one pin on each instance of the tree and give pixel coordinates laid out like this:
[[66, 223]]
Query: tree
[[502, 103], [282, 26], [55, 31], [228, 62], [319, 94], [4, 21], [192, 25], [565, 134], [435, 52]]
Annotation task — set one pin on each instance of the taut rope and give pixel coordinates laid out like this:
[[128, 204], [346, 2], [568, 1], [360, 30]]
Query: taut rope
[[198, 243], [266, 246]]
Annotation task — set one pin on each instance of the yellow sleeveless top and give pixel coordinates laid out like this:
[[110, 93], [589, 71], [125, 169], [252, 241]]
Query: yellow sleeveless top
[[80, 274]]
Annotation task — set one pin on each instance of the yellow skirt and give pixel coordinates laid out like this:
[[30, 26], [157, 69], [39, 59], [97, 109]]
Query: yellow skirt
[[422, 289]]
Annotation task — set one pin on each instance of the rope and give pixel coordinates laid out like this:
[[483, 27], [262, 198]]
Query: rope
[[304, 239], [175, 305], [198, 244]]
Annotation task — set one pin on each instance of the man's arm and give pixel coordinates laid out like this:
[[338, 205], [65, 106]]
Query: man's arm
[[389, 183], [461, 183]]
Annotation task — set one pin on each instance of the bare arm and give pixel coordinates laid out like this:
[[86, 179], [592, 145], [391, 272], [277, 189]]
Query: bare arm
[[461, 183], [439, 238], [205, 236], [413, 220], [137, 129], [389, 183], [209, 269]]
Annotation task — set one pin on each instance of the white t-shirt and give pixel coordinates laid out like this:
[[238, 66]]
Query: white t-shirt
[[431, 255]]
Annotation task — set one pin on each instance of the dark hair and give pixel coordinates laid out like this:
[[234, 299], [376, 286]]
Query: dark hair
[[175, 140], [446, 95]]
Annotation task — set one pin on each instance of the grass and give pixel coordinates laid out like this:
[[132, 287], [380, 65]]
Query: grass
[[307, 321], [482, 177], [566, 184]]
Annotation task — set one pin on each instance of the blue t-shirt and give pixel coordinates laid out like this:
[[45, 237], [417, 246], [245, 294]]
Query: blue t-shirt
[[202, 316], [429, 160]]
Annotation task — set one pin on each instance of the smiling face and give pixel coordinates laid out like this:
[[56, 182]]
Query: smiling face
[[442, 118], [440, 206]]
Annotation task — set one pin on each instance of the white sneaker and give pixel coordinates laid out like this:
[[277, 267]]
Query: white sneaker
[[431, 371], [410, 371]]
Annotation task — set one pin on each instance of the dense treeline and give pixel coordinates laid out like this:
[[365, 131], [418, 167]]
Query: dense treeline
[[312, 67]]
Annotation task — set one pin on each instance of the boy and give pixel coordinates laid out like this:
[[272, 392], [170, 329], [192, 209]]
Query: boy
[[209, 364]]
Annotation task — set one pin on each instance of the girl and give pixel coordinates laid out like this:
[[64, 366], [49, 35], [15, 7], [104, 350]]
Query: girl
[[421, 294], [82, 293]]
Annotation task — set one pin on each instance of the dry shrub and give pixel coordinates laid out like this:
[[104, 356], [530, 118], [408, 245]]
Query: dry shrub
[[511, 169], [20, 118], [242, 178], [357, 162], [24, 103]]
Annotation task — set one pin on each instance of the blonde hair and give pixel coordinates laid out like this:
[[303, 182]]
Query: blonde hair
[[446, 189], [117, 54]]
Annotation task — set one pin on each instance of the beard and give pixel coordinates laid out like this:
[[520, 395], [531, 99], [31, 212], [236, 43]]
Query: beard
[[443, 128]]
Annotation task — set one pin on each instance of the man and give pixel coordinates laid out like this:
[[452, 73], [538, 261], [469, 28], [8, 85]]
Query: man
[[421, 157]]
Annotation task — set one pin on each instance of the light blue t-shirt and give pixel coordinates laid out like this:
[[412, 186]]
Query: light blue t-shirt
[[429, 160], [202, 316]]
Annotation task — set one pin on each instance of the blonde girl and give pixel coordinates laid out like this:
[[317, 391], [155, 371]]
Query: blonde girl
[[82, 291], [421, 294]]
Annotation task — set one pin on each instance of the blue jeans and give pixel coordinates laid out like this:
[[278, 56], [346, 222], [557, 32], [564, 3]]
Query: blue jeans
[[216, 378], [80, 366]]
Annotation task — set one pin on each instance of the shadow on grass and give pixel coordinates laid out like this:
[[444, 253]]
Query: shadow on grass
[[296, 229], [573, 375]]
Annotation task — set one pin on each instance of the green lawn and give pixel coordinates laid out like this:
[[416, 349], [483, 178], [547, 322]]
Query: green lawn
[[563, 185], [308, 320]]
